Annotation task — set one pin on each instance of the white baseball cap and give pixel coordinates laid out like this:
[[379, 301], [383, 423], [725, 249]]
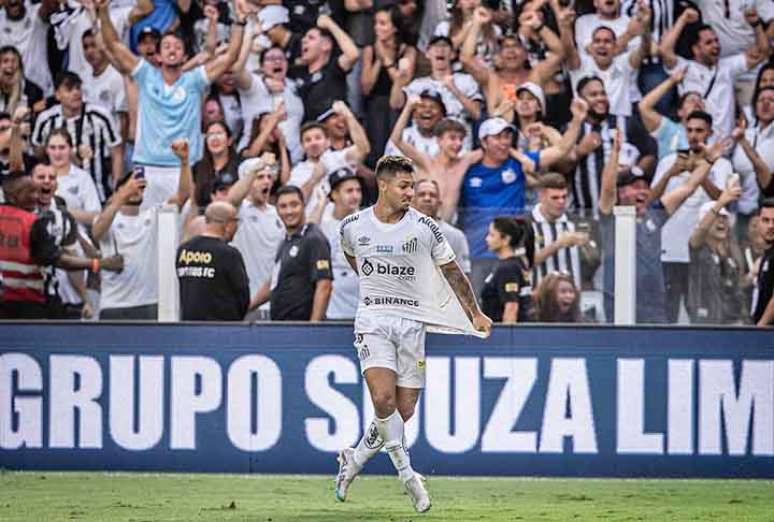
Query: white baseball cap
[[535, 90], [493, 127], [272, 15], [248, 166]]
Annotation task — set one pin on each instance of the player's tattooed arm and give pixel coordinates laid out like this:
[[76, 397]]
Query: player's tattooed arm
[[352, 262], [464, 291]]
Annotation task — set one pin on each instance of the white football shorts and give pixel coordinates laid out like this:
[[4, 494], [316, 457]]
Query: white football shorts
[[395, 343]]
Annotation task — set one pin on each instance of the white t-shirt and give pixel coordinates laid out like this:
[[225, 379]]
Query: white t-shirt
[[587, 24], [106, 90], [411, 135], [257, 99], [135, 238], [258, 238], [677, 231], [331, 160], [397, 265], [78, 190], [762, 141], [619, 79], [345, 294], [28, 35], [734, 33], [721, 100]]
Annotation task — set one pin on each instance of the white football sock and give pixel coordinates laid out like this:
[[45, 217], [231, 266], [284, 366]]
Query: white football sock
[[369, 445], [391, 430]]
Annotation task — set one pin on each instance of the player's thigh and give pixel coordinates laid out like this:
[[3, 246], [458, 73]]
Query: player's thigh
[[411, 355]]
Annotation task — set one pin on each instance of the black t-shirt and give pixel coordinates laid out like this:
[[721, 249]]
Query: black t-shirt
[[213, 281], [302, 259], [509, 282], [319, 90], [764, 285]]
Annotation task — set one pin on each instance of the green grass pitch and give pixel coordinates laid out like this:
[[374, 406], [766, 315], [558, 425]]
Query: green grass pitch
[[33, 496]]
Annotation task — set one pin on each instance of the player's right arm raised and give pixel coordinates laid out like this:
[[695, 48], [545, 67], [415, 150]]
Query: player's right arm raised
[[464, 291]]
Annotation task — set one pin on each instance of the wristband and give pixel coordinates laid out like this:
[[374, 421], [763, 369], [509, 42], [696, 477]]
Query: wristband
[[240, 23], [95, 265]]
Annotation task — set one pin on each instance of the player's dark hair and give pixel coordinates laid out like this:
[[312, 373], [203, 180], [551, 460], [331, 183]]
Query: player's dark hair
[[388, 166], [448, 125], [312, 125], [290, 189], [700, 115], [552, 180]]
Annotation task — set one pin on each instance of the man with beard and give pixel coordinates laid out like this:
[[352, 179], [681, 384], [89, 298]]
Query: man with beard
[[709, 74], [301, 283], [28, 246], [322, 76], [763, 303], [124, 228], [264, 92], [171, 101], [653, 210], [672, 172], [213, 280], [595, 143], [425, 115]]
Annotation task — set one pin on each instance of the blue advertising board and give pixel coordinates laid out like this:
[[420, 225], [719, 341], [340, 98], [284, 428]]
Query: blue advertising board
[[271, 398]]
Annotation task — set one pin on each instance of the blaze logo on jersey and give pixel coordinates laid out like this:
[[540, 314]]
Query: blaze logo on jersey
[[367, 268], [410, 246], [404, 273]]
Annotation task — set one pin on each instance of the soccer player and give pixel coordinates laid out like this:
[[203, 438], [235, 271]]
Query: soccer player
[[406, 267]]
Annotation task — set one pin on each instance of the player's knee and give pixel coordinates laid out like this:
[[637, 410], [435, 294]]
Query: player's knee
[[384, 404], [406, 411]]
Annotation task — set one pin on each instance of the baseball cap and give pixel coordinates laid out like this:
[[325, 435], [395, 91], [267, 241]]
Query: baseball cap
[[149, 31], [223, 181], [440, 38], [342, 174], [432, 94], [493, 127], [272, 15], [535, 90], [248, 166], [631, 176], [707, 207]]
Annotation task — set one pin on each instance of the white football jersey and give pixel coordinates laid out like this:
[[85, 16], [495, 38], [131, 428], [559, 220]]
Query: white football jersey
[[397, 264]]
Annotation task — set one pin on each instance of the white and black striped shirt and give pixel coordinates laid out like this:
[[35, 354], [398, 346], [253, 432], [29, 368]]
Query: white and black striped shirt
[[662, 19], [587, 179], [565, 259], [94, 127]]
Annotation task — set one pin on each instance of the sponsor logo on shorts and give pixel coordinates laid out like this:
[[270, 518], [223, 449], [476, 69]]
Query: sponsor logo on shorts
[[394, 301]]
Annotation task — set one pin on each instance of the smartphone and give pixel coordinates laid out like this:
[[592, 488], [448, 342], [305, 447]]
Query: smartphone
[[139, 172]]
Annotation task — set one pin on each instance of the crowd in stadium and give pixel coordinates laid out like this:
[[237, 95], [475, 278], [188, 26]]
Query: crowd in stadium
[[263, 120]]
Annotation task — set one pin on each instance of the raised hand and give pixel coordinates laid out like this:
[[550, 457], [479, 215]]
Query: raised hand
[[180, 148], [579, 109], [690, 15], [679, 75]]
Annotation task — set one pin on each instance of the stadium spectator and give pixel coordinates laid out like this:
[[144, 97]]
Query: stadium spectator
[[75, 185], [29, 246], [347, 196], [24, 25], [219, 159], [608, 13], [592, 151], [653, 210], [753, 246], [763, 303], [311, 175], [557, 240], [384, 62], [322, 76], [528, 116], [170, 101], [224, 89], [709, 74], [463, 17], [672, 172], [496, 185], [669, 134], [94, 135], [123, 228], [715, 278], [556, 300], [15, 89], [507, 290], [301, 283], [424, 117], [731, 22], [265, 92], [448, 166], [427, 199], [212, 275], [273, 23]]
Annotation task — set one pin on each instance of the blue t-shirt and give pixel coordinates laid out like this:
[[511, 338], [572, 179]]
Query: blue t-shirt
[[670, 137], [162, 17], [488, 192], [166, 113], [651, 294]]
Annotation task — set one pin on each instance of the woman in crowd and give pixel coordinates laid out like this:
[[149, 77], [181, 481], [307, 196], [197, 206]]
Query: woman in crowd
[[266, 136], [556, 300], [384, 62], [219, 160], [461, 22], [715, 293], [75, 185], [505, 296]]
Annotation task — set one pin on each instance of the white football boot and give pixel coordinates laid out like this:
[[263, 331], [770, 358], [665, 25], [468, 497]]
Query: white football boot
[[416, 490], [348, 470]]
